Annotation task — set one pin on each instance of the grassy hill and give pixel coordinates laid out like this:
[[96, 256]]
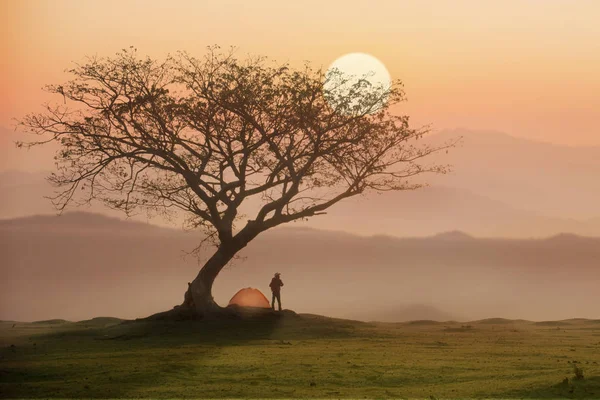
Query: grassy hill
[[299, 356]]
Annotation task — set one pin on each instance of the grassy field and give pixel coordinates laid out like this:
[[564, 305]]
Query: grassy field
[[303, 356]]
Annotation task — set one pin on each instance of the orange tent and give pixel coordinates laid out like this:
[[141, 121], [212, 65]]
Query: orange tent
[[250, 297]]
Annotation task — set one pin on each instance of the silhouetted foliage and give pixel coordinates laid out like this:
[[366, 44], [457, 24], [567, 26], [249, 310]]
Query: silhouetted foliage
[[205, 136]]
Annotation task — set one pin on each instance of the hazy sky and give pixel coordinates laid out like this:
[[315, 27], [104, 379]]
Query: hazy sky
[[528, 68]]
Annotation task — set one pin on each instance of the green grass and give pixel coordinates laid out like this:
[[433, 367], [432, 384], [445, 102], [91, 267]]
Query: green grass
[[301, 356]]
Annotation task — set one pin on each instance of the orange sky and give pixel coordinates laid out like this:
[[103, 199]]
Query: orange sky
[[528, 68]]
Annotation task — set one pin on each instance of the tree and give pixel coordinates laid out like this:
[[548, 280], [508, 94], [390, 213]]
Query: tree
[[205, 136]]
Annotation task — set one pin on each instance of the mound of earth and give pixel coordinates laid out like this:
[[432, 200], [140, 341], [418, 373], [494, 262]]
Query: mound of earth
[[52, 322], [424, 322], [551, 323], [496, 321], [101, 321]]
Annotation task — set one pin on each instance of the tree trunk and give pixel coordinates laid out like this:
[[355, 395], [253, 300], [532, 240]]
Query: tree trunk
[[199, 294], [200, 289]]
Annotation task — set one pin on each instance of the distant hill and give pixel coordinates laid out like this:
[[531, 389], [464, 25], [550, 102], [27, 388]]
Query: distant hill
[[542, 178], [423, 212], [79, 222], [403, 313], [453, 235], [24, 194], [130, 270], [13, 158], [435, 209], [500, 186]]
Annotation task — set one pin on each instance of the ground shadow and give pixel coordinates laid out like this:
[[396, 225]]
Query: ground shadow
[[146, 358], [587, 388]]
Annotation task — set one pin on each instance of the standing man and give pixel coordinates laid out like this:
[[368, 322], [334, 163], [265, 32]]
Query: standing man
[[275, 286]]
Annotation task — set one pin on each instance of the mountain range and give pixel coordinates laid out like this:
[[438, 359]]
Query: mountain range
[[82, 265], [500, 186]]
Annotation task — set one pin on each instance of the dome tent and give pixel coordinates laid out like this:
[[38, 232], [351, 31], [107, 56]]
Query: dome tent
[[250, 297]]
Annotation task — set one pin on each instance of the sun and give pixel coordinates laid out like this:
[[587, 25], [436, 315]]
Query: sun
[[353, 67]]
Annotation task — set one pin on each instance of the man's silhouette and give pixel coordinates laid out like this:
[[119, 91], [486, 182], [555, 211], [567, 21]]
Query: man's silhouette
[[275, 286]]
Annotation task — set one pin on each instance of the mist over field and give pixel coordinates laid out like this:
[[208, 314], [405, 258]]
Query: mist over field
[[82, 265]]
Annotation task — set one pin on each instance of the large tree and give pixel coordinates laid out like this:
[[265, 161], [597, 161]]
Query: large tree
[[206, 136]]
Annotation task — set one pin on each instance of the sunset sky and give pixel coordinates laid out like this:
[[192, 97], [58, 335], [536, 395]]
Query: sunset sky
[[471, 68], [527, 68]]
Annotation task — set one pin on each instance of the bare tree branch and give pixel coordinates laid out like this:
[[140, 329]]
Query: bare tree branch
[[207, 136]]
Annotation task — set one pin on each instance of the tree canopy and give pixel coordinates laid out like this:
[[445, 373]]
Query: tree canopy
[[205, 135]]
